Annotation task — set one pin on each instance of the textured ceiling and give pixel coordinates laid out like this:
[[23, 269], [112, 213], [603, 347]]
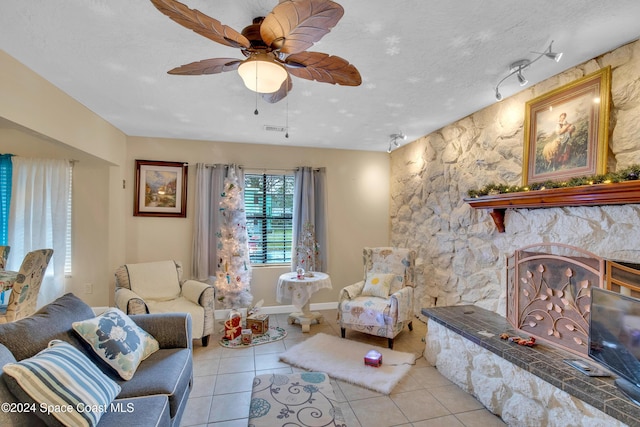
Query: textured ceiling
[[424, 64]]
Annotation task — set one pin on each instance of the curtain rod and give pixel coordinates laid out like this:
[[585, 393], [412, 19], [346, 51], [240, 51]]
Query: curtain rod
[[71, 161], [209, 165]]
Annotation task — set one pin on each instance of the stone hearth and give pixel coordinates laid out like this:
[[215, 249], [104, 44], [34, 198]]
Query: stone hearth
[[525, 386]]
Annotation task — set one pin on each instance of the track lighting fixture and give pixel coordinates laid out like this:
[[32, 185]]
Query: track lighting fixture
[[393, 140], [521, 64]]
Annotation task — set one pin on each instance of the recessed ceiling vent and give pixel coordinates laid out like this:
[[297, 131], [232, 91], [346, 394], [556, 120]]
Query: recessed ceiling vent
[[272, 128]]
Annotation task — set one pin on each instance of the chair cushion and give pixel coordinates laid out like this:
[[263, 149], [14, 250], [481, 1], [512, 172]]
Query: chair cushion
[[156, 281], [377, 285], [365, 311], [60, 376], [181, 305], [117, 341]]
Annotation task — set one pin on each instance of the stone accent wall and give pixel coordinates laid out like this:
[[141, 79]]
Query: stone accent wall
[[461, 255], [517, 396]]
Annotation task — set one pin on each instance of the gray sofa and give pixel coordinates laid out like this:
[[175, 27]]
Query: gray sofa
[[155, 396]]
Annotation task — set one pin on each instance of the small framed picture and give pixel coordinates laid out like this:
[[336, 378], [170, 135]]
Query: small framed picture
[[566, 130], [161, 189]]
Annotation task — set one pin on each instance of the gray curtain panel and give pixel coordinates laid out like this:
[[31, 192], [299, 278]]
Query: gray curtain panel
[[310, 206], [209, 188]]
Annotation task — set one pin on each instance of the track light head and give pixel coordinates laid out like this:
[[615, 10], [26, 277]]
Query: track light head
[[523, 81], [551, 54], [393, 140], [521, 64], [555, 56]]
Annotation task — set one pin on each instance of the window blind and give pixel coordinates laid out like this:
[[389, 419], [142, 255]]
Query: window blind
[[269, 210]]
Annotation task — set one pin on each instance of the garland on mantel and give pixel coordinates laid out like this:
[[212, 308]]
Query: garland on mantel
[[631, 173]]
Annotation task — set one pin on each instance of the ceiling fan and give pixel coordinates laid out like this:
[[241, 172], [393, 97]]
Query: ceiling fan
[[275, 46]]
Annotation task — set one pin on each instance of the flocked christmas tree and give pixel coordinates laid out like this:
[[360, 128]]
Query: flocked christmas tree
[[308, 250], [234, 271]]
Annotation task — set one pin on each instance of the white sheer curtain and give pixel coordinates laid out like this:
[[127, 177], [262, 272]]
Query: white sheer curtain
[[38, 217], [207, 223], [310, 206]]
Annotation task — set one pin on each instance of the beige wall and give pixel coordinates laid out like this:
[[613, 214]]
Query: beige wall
[[37, 119], [90, 207], [358, 204]]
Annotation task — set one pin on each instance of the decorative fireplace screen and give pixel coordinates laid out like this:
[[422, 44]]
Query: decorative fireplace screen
[[549, 293]]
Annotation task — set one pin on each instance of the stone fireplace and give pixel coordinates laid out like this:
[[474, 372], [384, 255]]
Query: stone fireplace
[[461, 255]]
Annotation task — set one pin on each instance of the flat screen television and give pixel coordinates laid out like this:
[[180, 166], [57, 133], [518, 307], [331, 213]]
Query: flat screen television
[[614, 338]]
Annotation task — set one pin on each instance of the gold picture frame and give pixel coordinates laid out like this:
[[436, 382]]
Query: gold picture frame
[[566, 130], [161, 189]]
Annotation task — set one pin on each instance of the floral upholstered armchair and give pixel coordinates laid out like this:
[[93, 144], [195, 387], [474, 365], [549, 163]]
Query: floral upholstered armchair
[[26, 287], [4, 254], [157, 287], [382, 303]]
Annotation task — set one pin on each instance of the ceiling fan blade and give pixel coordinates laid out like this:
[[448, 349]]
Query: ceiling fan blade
[[293, 26], [202, 24], [207, 66], [323, 68], [276, 96]]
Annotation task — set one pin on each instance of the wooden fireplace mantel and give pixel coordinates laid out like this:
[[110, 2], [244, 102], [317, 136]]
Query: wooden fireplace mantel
[[585, 195]]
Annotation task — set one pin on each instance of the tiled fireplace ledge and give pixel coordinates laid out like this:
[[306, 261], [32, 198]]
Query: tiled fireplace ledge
[[541, 362]]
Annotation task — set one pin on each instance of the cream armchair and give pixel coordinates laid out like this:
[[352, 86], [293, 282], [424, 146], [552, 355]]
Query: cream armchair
[[382, 303], [157, 287]]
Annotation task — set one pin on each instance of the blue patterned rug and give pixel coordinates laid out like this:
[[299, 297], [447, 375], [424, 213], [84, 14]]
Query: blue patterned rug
[[303, 399], [275, 333]]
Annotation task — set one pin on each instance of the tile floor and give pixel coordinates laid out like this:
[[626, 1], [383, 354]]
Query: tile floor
[[424, 398]]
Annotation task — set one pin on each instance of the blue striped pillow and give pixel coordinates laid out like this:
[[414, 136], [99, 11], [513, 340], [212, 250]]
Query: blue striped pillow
[[63, 378]]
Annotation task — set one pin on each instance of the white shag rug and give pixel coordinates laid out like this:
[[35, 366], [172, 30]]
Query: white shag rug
[[343, 359]]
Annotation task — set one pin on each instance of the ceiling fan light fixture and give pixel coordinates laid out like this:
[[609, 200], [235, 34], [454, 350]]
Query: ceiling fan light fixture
[[261, 73]]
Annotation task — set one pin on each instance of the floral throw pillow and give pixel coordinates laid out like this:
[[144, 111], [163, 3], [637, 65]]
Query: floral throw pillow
[[377, 285], [117, 340]]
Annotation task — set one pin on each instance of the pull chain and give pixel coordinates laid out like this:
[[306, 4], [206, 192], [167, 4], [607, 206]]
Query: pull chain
[[286, 135], [255, 112]]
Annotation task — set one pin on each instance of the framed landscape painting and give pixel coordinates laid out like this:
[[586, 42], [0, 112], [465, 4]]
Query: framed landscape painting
[[566, 130], [161, 189]]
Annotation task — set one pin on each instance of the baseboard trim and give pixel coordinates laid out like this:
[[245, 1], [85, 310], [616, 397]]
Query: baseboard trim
[[280, 309]]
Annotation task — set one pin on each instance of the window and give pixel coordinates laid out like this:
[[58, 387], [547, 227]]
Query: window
[[268, 202], [5, 196], [68, 236]]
